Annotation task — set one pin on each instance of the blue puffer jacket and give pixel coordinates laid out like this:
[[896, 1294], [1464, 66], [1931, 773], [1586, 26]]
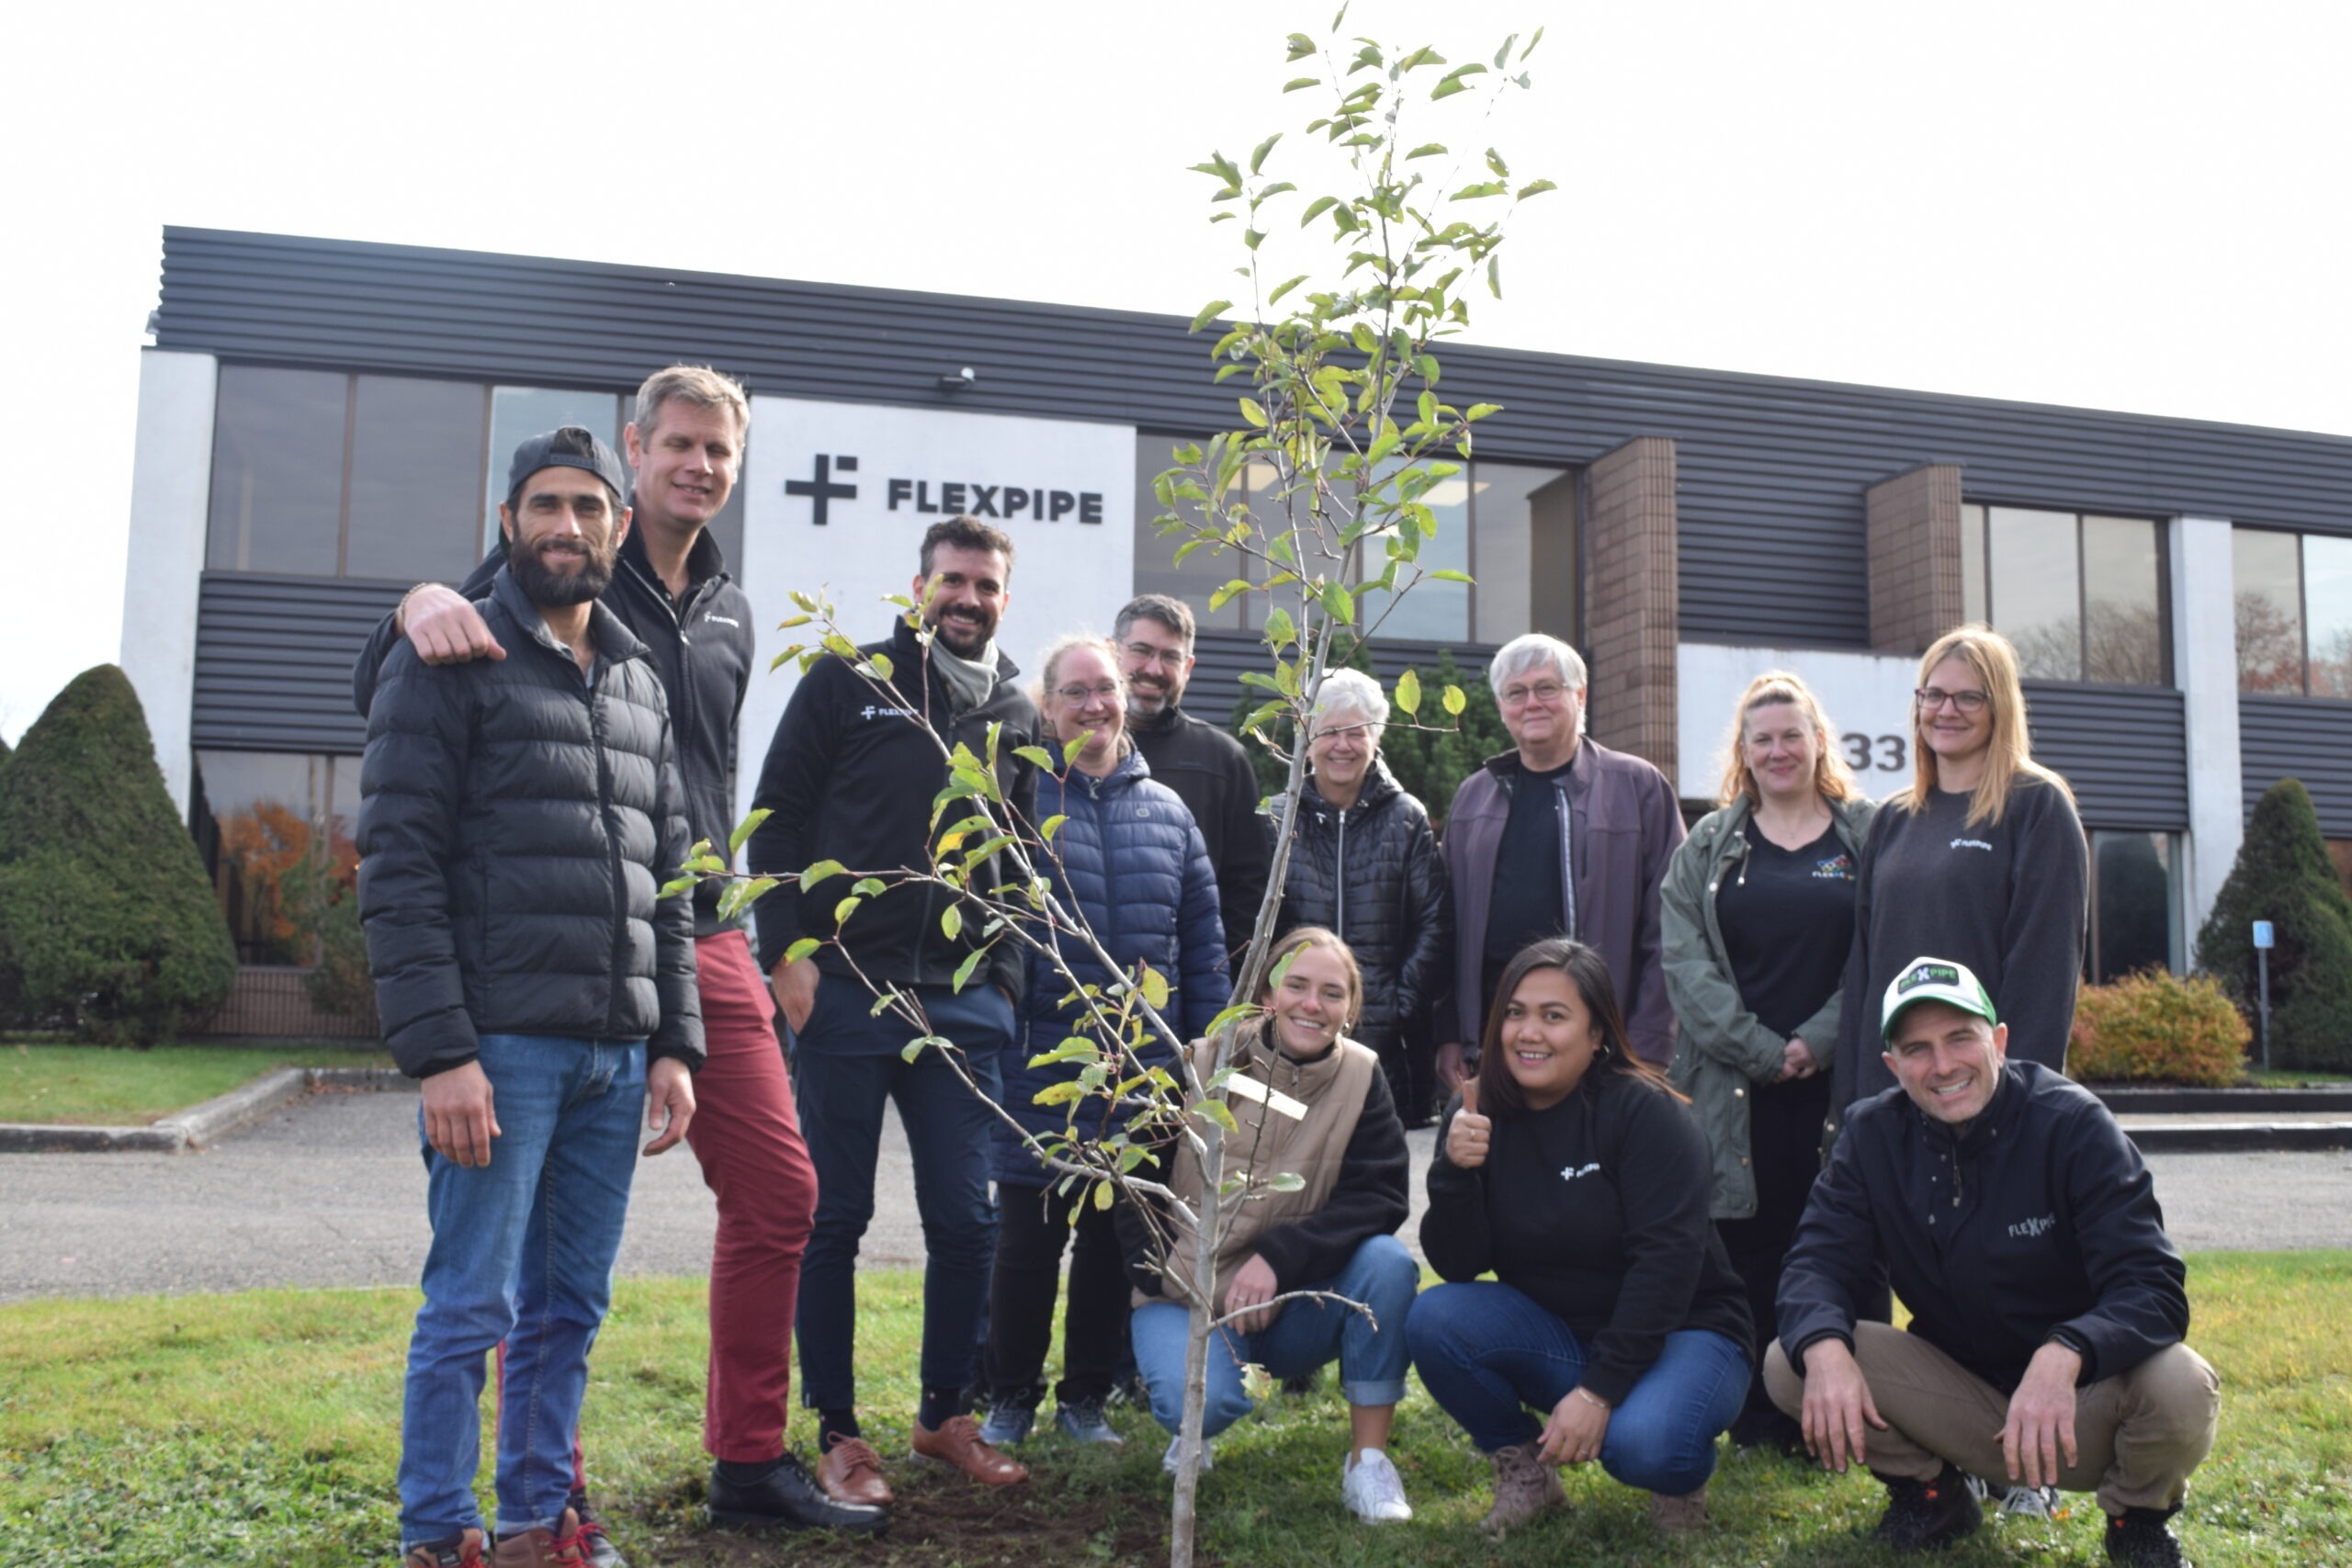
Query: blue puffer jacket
[[1131, 862]]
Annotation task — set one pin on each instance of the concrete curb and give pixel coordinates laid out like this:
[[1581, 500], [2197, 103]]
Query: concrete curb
[[2240, 1136], [2137, 1102], [198, 1125]]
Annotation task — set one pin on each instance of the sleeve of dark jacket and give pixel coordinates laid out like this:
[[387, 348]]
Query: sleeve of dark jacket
[[2041, 941], [1248, 853], [1207, 986], [680, 1033], [792, 786], [2139, 1276], [372, 653], [1649, 1020], [1428, 911], [1665, 1176], [418, 731], [1833, 1259], [1371, 1197], [1454, 1238]]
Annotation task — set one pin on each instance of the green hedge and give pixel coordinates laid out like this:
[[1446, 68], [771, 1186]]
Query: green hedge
[[107, 922], [2283, 875]]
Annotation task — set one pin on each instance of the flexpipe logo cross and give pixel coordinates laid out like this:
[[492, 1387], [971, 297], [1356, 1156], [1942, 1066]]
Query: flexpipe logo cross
[[823, 491]]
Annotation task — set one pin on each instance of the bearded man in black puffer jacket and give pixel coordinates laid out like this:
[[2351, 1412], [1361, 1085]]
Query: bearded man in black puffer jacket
[[1363, 863]]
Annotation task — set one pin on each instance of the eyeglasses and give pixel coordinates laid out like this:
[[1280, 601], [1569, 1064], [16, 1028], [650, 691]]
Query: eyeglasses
[[1544, 691], [1934, 697], [1145, 655], [1108, 692]]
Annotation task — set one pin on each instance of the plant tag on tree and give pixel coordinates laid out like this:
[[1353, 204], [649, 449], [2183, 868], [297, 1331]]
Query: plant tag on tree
[[1272, 1098]]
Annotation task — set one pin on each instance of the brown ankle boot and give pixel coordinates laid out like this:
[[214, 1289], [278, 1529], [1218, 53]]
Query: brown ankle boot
[[1678, 1516], [562, 1547], [1524, 1488]]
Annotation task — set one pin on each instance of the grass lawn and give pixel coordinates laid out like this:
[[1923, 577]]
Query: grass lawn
[[262, 1428], [118, 1086]]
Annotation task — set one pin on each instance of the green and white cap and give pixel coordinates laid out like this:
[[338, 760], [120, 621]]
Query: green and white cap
[[1935, 980]]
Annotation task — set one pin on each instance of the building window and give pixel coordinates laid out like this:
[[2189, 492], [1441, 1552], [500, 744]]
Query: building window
[[276, 830], [2136, 904], [2081, 596], [1496, 522], [2293, 603]]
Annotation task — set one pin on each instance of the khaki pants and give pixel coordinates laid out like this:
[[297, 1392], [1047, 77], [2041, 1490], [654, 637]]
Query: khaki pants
[[2138, 1435]]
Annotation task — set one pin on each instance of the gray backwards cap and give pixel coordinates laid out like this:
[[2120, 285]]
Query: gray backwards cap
[[570, 447], [1934, 980]]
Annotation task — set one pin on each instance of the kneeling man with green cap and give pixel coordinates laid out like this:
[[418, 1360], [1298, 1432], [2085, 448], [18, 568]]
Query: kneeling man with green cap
[[2021, 1226]]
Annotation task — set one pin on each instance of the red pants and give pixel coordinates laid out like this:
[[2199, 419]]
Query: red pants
[[747, 1137]]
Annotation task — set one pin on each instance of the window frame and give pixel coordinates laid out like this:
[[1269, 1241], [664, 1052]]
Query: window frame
[[1984, 506]]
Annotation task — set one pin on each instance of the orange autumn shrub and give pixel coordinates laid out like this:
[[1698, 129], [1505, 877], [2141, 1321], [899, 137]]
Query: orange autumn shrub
[[2153, 1027]]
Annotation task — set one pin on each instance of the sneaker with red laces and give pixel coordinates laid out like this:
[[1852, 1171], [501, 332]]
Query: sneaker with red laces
[[461, 1551], [602, 1552], [562, 1547]]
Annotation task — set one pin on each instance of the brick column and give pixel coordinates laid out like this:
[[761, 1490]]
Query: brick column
[[1914, 532], [1633, 598]]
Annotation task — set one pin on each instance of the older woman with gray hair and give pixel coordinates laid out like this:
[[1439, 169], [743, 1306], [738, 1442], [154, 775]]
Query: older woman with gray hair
[[1363, 863], [1559, 837]]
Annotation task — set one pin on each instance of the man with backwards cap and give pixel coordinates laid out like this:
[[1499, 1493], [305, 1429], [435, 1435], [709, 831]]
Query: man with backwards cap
[[517, 818], [2021, 1226]]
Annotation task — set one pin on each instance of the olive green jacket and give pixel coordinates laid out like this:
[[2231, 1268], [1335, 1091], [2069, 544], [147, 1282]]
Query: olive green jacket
[[1719, 1048]]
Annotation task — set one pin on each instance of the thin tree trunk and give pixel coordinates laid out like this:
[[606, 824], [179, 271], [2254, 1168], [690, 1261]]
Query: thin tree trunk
[[1183, 1511]]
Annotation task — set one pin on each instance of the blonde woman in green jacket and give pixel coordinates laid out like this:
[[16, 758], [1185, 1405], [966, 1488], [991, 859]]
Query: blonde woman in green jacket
[[1758, 919]]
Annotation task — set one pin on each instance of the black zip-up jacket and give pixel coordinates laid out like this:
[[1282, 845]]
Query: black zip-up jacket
[[851, 778], [1210, 772], [515, 824], [1372, 874], [700, 646], [2038, 1221], [1595, 1208]]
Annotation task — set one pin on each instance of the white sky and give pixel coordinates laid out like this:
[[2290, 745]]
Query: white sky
[[2128, 206]]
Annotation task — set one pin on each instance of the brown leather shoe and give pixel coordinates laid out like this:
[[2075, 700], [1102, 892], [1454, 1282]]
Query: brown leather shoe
[[851, 1471], [957, 1442], [563, 1547]]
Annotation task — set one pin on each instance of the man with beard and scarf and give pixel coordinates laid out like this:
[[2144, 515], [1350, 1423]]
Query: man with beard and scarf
[[670, 587], [1208, 769], [517, 818], [851, 779]]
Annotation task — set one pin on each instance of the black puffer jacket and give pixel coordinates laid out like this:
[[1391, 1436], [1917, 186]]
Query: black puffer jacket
[[514, 826], [699, 645], [1372, 874]]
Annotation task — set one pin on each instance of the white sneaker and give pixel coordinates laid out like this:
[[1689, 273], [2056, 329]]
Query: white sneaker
[[1372, 1490], [1174, 1455], [2021, 1502]]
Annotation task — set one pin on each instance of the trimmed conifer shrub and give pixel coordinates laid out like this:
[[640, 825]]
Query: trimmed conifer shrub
[[107, 924], [2283, 876]]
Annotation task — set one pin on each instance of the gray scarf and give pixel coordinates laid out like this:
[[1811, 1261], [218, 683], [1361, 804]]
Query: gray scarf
[[970, 679]]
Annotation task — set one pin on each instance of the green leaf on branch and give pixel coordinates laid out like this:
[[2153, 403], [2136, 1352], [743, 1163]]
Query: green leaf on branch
[[1057, 1093], [1281, 631], [1316, 208], [951, 922], [1426, 149], [1255, 412], [1482, 189], [1480, 410], [880, 664], [1409, 692], [1285, 288], [1258, 158], [921, 1043], [846, 908], [738, 894], [1495, 275], [1254, 238], [1495, 161], [801, 948], [1224, 596], [1103, 1195], [1530, 46], [1301, 46], [1419, 58], [1295, 83], [1536, 187], [1454, 701], [1155, 987], [964, 970], [1050, 826], [1450, 575], [819, 872], [1037, 756], [745, 828], [1216, 1111], [1072, 748], [1285, 1181], [1337, 605], [678, 884], [1502, 55], [1210, 312]]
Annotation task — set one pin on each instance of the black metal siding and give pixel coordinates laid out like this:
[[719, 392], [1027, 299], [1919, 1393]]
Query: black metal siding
[[272, 661], [1772, 470], [2299, 738], [2123, 749]]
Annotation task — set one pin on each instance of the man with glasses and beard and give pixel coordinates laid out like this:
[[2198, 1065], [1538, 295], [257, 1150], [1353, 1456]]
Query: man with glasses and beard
[[851, 778], [517, 818], [1208, 769]]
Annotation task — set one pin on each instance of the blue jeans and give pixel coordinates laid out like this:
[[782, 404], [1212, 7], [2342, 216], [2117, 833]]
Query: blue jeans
[[1487, 1352], [1304, 1336], [522, 1251], [847, 1068]]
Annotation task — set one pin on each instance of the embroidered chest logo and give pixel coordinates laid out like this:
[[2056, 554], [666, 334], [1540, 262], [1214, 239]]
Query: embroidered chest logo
[[1972, 844], [875, 710], [722, 620], [1570, 1172], [1837, 868], [2028, 1229]]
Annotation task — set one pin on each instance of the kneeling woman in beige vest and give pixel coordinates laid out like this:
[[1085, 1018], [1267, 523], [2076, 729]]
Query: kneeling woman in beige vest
[[1321, 1113]]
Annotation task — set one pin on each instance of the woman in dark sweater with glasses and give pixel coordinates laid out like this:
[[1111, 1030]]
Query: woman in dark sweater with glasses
[[1579, 1178]]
